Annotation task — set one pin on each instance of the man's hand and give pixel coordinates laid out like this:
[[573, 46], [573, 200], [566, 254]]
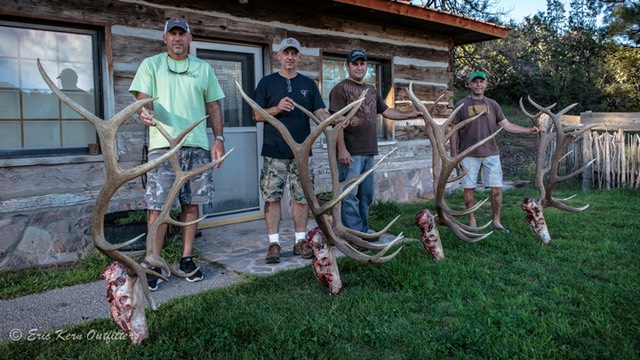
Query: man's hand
[[286, 104], [217, 151], [344, 157], [146, 117], [337, 121]]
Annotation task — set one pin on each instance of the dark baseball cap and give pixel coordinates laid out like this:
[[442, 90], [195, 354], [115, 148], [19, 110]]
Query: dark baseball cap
[[176, 22], [355, 55]]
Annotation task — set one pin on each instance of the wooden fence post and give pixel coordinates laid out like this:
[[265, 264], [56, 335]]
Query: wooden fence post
[[587, 155]]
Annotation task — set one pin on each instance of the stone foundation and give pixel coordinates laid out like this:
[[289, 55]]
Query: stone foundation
[[48, 237]]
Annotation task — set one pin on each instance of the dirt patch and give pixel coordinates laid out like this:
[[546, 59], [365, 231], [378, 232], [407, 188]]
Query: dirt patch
[[517, 154]]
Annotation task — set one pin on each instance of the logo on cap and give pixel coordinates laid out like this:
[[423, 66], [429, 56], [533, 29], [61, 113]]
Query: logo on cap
[[355, 55], [176, 22], [289, 42]]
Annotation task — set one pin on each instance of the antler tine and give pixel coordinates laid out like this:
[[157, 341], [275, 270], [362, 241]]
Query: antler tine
[[174, 141], [472, 229], [379, 258], [435, 103], [358, 244], [562, 206], [466, 233], [535, 119], [455, 178], [426, 114], [121, 245], [93, 119], [468, 211], [386, 228], [352, 108], [338, 236], [541, 109]]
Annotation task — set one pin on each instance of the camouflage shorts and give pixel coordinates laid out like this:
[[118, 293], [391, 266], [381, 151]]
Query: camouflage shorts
[[273, 179], [197, 190]]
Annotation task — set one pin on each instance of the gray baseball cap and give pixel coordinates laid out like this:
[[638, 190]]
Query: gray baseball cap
[[289, 42]]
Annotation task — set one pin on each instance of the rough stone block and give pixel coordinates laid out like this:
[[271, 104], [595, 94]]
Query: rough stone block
[[35, 241]]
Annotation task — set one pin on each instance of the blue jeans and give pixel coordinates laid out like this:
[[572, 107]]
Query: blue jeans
[[355, 206]]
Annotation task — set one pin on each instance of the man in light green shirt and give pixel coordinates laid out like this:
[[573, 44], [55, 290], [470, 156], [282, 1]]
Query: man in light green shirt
[[187, 90]]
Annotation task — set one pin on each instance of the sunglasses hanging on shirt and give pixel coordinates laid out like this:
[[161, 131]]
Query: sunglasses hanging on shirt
[[175, 70]]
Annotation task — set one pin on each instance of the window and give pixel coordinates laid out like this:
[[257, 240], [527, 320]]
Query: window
[[333, 71], [33, 121]]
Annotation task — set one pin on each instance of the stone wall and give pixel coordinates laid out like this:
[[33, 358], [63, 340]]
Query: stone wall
[[50, 236]]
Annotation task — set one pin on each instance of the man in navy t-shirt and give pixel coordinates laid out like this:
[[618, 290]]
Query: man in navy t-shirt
[[276, 93]]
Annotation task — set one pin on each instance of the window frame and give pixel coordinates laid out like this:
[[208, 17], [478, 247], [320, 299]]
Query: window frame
[[383, 82], [97, 35]]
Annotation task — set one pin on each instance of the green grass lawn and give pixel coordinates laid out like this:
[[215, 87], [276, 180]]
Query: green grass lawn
[[36, 280], [506, 297]]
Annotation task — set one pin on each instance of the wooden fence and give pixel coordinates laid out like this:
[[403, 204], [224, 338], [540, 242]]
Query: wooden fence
[[614, 143]]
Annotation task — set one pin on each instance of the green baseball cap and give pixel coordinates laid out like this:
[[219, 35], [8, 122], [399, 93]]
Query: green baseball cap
[[477, 74]]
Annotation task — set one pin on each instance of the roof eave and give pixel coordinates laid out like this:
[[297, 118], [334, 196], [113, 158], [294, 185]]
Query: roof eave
[[479, 30]]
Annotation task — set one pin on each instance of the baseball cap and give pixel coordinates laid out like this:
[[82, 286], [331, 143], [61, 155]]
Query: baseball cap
[[289, 42], [355, 55], [68, 74], [176, 22], [477, 74]]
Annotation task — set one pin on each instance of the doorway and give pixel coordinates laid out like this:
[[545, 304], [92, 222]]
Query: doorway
[[237, 196]]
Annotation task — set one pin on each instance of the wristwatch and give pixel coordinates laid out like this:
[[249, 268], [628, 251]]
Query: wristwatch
[[220, 137]]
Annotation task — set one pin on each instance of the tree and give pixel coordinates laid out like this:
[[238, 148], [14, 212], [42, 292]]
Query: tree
[[622, 22], [560, 59], [621, 82], [481, 9]]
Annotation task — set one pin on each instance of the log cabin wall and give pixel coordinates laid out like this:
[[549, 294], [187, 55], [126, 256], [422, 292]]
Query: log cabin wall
[[46, 202]]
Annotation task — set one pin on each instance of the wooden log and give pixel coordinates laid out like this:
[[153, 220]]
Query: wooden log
[[632, 161], [623, 159], [636, 144], [612, 120], [587, 156], [598, 146]]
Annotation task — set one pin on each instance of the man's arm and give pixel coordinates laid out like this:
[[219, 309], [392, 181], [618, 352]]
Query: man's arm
[[321, 114], [344, 156], [394, 114], [215, 120], [453, 144], [517, 129]]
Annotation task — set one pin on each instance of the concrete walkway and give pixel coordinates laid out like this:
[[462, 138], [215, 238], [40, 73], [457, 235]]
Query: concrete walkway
[[226, 252]]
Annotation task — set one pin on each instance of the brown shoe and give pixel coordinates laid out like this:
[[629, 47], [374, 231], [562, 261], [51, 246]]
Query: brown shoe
[[273, 254], [301, 248]]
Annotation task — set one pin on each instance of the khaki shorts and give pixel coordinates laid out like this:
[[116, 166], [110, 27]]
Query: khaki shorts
[[273, 179], [491, 171], [196, 191]]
